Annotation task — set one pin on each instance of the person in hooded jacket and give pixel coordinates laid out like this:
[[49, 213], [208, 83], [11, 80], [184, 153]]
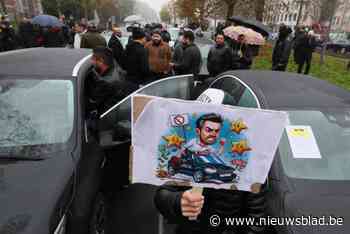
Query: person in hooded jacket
[[282, 50]]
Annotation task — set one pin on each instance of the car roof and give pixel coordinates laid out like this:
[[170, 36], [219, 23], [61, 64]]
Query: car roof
[[291, 90], [45, 62]]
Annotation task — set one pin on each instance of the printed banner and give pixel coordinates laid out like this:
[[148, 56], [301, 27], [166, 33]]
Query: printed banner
[[205, 145]]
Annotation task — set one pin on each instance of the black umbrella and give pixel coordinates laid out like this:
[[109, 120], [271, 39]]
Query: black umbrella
[[253, 24]]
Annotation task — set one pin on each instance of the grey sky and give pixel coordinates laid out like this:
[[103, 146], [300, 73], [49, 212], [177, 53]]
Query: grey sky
[[156, 4]]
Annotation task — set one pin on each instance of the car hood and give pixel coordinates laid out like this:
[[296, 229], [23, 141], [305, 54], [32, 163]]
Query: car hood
[[317, 199], [29, 191]]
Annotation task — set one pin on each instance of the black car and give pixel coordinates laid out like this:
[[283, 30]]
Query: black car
[[296, 186], [340, 46], [201, 168], [51, 162]]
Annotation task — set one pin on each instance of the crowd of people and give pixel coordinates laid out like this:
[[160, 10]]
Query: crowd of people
[[303, 43], [28, 35]]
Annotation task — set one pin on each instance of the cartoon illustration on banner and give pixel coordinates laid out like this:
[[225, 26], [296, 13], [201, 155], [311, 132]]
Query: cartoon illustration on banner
[[203, 148]]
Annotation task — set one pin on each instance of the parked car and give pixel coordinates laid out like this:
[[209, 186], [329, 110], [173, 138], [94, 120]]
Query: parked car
[[50, 162], [296, 186], [340, 46], [202, 168]]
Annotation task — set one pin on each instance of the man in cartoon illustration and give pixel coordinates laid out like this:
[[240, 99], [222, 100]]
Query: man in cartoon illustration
[[208, 129]]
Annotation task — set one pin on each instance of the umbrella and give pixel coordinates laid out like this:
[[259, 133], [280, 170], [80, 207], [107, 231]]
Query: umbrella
[[251, 37], [46, 21], [133, 18], [253, 24]]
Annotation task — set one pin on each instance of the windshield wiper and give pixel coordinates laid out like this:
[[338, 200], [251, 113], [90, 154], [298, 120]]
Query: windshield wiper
[[19, 158]]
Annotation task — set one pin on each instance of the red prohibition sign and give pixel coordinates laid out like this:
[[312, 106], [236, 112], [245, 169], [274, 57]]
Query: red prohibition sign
[[179, 120]]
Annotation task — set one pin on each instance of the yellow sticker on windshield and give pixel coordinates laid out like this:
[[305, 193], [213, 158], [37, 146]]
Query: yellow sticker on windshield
[[299, 132]]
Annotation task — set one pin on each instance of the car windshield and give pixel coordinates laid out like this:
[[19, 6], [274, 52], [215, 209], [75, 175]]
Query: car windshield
[[35, 114], [331, 129]]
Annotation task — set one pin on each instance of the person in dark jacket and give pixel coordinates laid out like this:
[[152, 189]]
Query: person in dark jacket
[[242, 54], [104, 87], [297, 50], [191, 58], [7, 35], [282, 50], [136, 59], [92, 38], [26, 33], [116, 46], [306, 46], [219, 57], [177, 204], [53, 37]]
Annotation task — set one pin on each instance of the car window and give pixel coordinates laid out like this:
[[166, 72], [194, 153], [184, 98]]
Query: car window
[[331, 129], [35, 112], [115, 124], [241, 94]]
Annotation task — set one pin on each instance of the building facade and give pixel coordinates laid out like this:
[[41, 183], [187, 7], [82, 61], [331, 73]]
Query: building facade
[[20, 8], [305, 12]]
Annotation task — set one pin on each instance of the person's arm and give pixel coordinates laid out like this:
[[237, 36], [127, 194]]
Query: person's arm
[[228, 59], [209, 64], [177, 204], [256, 207]]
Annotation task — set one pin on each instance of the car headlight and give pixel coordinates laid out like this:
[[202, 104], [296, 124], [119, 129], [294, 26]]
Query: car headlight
[[210, 170]]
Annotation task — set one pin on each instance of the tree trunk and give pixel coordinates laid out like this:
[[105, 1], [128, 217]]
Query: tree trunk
[[3, 6], [259, 10], [230, 10], [301, 4], [86, 9], [323, 53]]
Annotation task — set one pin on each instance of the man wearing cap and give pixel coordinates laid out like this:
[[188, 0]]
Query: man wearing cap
[[92, 38], [136, 58], [116, 46], [159, 56]]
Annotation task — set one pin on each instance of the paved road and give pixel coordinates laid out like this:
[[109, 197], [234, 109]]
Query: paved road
[[133, 211]]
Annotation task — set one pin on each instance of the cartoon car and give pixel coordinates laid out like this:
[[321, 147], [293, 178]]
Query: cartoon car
[[202, 168]]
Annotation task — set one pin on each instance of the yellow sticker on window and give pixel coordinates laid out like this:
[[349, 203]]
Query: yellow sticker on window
[[299, 132]]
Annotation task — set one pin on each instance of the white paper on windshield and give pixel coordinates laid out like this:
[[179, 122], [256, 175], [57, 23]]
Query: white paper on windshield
[[302, 142], [205, 145]]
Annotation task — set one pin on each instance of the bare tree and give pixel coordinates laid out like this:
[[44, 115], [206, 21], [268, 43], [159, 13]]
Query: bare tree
[[3, 6], [259, 9]]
